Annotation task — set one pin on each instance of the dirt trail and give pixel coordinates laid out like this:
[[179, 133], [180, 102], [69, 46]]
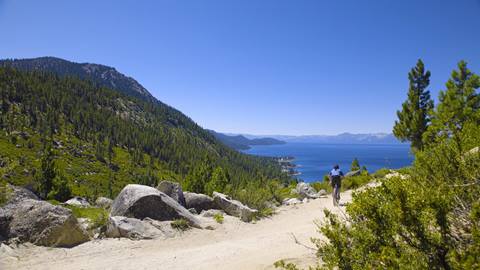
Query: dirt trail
[[234, 245]]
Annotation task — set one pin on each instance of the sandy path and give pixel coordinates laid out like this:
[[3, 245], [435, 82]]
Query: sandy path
[[234, 245]]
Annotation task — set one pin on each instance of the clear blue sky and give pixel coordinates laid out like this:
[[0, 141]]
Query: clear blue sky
[[258, 66]]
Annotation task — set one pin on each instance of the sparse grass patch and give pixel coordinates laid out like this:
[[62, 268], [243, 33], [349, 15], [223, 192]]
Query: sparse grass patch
[[325, 185], [266, 212], [98, 216], [4, 192], [180, 224], [285, 192], [218, 218]]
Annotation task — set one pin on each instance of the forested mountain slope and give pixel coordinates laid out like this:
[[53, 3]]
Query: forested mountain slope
[[99, 74], [103, 139]]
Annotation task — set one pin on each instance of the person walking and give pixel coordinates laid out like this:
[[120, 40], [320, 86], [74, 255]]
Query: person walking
[[335, 176]]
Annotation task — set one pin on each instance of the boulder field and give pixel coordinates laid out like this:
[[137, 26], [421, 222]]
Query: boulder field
[[138, 212]]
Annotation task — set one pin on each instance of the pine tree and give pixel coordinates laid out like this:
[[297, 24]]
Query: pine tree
[[218, 181], [48, 172], [458, 105], [413, 119], [355, 165], [61, 190]]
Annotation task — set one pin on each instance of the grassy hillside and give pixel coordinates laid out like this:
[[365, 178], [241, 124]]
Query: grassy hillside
[[103, 139]]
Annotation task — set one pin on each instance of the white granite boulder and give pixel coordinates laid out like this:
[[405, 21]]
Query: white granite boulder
[[234, 207]]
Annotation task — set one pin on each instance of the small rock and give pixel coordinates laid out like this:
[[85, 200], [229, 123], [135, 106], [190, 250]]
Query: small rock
[[322, 192], [85, 223], [104, 202], [78, 201], [472, 151], [193, 211], [304, 190], [131, 228], [199, 201], [234, 207], [212, 213], [291, 201]]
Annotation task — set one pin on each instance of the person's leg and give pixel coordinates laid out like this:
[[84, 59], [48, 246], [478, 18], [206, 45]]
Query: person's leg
[[339, 187], [334, 195], [337, 194]]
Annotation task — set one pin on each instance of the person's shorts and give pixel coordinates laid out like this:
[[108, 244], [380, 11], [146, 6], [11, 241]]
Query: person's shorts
[[337, 183]]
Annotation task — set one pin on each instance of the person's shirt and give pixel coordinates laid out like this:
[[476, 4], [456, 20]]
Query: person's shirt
[[336, 172]]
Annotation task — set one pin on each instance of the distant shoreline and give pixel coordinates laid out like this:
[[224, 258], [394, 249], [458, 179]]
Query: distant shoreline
[[314, 160]]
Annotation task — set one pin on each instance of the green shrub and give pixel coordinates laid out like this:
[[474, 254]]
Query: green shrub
[[429, 220], [404, 170], [287, 266], [325, 185], [279, 192], [218, 218], [180, 224], [355, 182], [381, 173]]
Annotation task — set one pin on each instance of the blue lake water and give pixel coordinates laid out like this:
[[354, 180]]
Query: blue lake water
[[314, 160]]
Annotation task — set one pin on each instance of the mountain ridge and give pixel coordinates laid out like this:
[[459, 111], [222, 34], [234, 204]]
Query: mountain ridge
[[240, 142], [342, 138], [103, 75]]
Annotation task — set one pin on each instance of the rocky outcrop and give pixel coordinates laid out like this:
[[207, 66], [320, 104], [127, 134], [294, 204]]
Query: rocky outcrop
[[304, 190], [78, 201], [322, 193], [174, 190], [41, 223], [199, 201], [104, 202], [212, 213], [234, 207], [353, 173], [138, 201]]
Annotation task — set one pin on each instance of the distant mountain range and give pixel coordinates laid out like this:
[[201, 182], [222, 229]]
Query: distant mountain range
[[240, 142], [343, 138]]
